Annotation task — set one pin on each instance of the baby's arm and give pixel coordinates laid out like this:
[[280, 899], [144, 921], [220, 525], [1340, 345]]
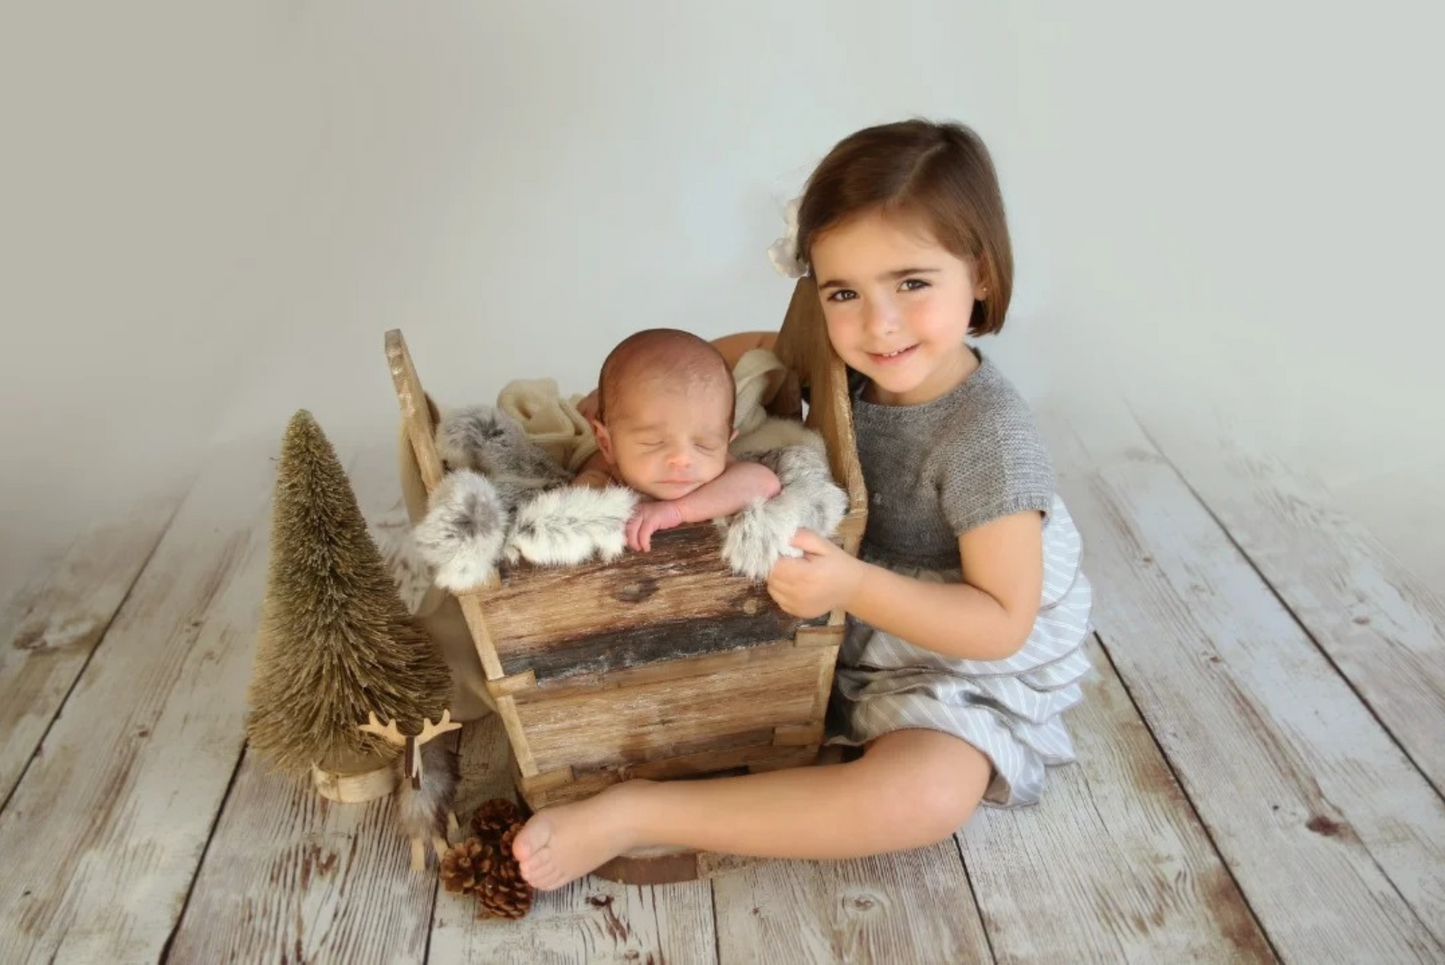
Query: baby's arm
[[740, 484], [987, 617]]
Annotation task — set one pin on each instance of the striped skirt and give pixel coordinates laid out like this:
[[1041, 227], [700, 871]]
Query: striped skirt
[[1010, 709]]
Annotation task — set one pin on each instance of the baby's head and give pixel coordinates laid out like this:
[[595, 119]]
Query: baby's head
[[665, 412]]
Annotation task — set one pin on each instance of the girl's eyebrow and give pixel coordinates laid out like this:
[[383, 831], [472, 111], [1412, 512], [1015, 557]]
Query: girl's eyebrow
[[895, 275]]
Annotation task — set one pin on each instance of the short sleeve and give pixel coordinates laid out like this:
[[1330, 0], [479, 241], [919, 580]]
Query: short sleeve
[[998, 467]]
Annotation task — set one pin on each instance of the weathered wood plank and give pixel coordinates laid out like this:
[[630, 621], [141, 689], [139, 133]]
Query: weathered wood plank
[[103, 835], [1335, 838], [915, 906], [589, 921], [1113, 866], [1381, 626], [50, 627], [667, 717], [289, 876], [635, 609]]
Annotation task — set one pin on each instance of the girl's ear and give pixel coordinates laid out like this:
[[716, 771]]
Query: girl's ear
[[604, 440]]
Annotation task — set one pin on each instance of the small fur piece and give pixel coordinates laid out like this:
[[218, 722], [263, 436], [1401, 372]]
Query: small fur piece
[[571, 525], [762, 533], [425, 813], [488, 441], [465, 527]]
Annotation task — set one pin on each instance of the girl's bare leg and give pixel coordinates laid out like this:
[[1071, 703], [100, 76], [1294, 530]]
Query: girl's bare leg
[[911, 788]]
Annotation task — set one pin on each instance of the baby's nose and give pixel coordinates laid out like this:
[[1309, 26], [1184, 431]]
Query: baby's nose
[[678, 457]]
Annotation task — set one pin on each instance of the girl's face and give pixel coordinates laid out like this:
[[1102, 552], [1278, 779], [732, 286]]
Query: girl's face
[[897, 304]]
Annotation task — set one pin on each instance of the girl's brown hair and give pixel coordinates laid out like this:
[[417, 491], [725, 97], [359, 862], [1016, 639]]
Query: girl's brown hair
[[939, 172]]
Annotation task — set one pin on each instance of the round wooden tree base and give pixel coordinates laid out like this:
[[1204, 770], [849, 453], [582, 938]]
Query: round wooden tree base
[[354, 788], [665, 866]]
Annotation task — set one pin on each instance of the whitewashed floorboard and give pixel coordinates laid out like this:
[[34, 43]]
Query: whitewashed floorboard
[[1380, 624], [1113, 865], [914, 906], [51, 625], [1336, 839], [102, 836]]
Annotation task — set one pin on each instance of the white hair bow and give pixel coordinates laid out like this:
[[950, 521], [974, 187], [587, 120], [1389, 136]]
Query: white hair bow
[[784, 252]]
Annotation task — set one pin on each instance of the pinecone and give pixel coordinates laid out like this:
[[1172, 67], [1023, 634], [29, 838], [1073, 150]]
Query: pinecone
[[502, 892], [494, 818], [463, 867]]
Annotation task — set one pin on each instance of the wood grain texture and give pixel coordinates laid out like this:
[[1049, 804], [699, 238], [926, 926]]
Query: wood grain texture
[[1382, 627], [51, 625], [678, 600], [588, 921], [1337, 841], [666, 717], [1113, 865], [415, 412], [290, 877], [102, 836], [915, 906]]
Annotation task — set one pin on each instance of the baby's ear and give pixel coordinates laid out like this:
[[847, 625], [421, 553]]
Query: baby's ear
[[604, 439]]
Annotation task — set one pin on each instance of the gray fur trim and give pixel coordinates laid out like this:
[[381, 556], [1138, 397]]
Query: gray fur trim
[[461, 537], [762, 533], [486, 440], [571, 525]]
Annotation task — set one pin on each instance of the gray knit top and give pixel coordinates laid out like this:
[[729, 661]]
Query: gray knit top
[[937, 470]]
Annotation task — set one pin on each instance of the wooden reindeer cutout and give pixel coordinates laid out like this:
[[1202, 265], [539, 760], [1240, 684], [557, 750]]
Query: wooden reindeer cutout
[[428, 785]]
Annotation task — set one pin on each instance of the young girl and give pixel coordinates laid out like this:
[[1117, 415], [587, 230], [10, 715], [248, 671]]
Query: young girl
[[968, 612]]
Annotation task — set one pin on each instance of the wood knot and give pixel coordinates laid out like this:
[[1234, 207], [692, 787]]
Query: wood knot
[[1361, 620], [29, 638], [1322, 825], [861, 902], [635, 591], [752, 605]]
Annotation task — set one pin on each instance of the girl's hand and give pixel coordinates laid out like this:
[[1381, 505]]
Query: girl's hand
[[823, 578], [647, 519]]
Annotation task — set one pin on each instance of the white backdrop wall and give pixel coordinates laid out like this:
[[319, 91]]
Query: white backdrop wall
[[211, 212]]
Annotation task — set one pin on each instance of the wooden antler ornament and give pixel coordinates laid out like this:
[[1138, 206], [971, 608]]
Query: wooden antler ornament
[[426, 793]]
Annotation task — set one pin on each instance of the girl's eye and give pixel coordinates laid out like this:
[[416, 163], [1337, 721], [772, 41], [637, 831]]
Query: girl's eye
[[914, 284], [843, 295]]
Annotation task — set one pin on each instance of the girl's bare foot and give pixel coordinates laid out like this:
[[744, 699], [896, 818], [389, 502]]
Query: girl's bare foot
[[561, 844]]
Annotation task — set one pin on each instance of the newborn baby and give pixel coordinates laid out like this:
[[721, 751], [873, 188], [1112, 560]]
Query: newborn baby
[[663, 423]]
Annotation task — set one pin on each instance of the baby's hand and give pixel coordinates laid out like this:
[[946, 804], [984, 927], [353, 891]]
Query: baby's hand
[[647, 519]]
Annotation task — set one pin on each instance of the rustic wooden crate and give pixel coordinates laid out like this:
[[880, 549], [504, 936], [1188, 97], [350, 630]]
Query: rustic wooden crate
[[660, 664]]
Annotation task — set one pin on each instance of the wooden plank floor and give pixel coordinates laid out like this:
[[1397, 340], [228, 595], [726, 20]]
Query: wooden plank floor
[[1260, 775]]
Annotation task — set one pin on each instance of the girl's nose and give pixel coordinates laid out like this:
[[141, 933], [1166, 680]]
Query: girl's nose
[[677, 458], [881, 316]]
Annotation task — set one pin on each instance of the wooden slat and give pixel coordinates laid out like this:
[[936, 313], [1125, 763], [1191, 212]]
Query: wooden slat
[[289, 876], [49, 627], [653, 720], [910, 907], [1380, 625], [1113, 865], [678, 600], [1337, 841], [107, 826], [589, 921]]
